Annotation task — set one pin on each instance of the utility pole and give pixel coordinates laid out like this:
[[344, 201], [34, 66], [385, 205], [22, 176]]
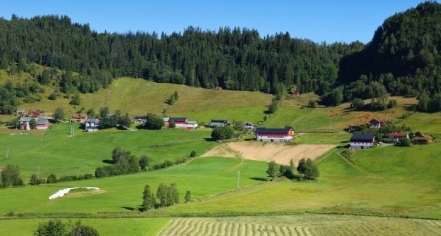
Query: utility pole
[[38, 172], [238, 179], [7, 153]]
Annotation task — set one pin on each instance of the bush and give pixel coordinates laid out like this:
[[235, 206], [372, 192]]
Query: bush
[[222, 133], [52, 96], [312, 104], [193, 153]]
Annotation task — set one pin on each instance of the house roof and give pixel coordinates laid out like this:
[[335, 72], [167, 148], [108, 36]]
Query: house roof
[[376, 121], [362, 137], [91, 120], [26, 119], [78, 115], [177, 119], [42, 121], [219, 121], [263, 130], [397, 134], [140, 117], [192, 122]]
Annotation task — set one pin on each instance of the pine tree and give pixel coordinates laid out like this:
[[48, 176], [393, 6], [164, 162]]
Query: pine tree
[[148, 199]]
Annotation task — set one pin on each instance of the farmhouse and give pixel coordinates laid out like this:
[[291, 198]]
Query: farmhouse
[[24, 123], [191, 125], [376, 123], [81, 118], [218, 123], [35, 113], [361, 141], [43, 124], [248, 125], [422, 139], [179, 121], [274, 135], [20, 113], [91, 125], [140, 119], [397, 136]]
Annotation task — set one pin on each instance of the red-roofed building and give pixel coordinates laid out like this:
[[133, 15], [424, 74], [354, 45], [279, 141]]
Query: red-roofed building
[[274, 135], [78, 118], [35, 113], [397, 136], [376, 123]]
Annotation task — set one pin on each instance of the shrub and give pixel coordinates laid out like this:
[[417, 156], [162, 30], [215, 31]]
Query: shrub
[[193, 153]]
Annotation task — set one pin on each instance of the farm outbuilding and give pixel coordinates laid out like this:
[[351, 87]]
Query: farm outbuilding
[[274, 134], [362, 141]]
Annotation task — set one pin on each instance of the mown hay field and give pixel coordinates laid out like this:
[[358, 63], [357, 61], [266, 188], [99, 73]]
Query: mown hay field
[[302, 225]]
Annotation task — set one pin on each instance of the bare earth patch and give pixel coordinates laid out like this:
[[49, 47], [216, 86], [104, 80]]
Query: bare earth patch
[[279, 152]]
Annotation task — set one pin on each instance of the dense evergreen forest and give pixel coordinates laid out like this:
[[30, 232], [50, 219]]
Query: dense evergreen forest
[[401, 59]]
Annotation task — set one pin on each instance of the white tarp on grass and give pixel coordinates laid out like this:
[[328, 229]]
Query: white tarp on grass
[[64, 191]]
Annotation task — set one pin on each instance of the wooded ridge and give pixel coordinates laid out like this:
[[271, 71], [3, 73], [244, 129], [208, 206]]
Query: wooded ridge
[[402, 59]]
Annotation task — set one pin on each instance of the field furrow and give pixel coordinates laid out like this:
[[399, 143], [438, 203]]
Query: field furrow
[[299, 230], [285, 231], [203, 228], [229, 229], [306, 231], [191, 226], [242, 230], [249, 229], [277, 230], [221, 228], [167, 230]]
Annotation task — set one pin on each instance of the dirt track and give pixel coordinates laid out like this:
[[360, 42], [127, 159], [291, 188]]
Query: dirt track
[[279, 152]]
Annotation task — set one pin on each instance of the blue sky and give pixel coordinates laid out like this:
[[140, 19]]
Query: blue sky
[[320, 21]]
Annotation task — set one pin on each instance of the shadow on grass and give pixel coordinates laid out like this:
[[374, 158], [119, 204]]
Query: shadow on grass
[[107, 161], [129, 208], [259, 179]]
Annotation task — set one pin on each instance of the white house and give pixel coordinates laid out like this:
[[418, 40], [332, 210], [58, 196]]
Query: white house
[[218, 123], [24, 123], [361, 141], [91, 125], [274, 135], [191, 125]]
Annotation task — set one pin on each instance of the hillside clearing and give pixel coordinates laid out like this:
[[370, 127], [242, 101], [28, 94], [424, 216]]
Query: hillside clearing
[[279, 152]]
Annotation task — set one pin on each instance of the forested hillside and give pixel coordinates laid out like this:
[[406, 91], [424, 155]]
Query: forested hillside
[[403, 56], [401, 59]]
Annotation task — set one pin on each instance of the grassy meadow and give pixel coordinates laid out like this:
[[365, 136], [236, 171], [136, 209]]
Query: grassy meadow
[[56, 151], [385, 181], [107, 227]]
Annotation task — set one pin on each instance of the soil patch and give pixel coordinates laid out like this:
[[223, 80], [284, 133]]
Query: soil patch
[[279, 152]]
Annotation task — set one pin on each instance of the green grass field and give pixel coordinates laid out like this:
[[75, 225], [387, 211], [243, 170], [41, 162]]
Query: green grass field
[[107, 227], [57, 152], [385, 181]]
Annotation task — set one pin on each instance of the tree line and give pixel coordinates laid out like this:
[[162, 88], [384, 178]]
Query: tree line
[[306, 170], [402, 56], [165, 196]]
